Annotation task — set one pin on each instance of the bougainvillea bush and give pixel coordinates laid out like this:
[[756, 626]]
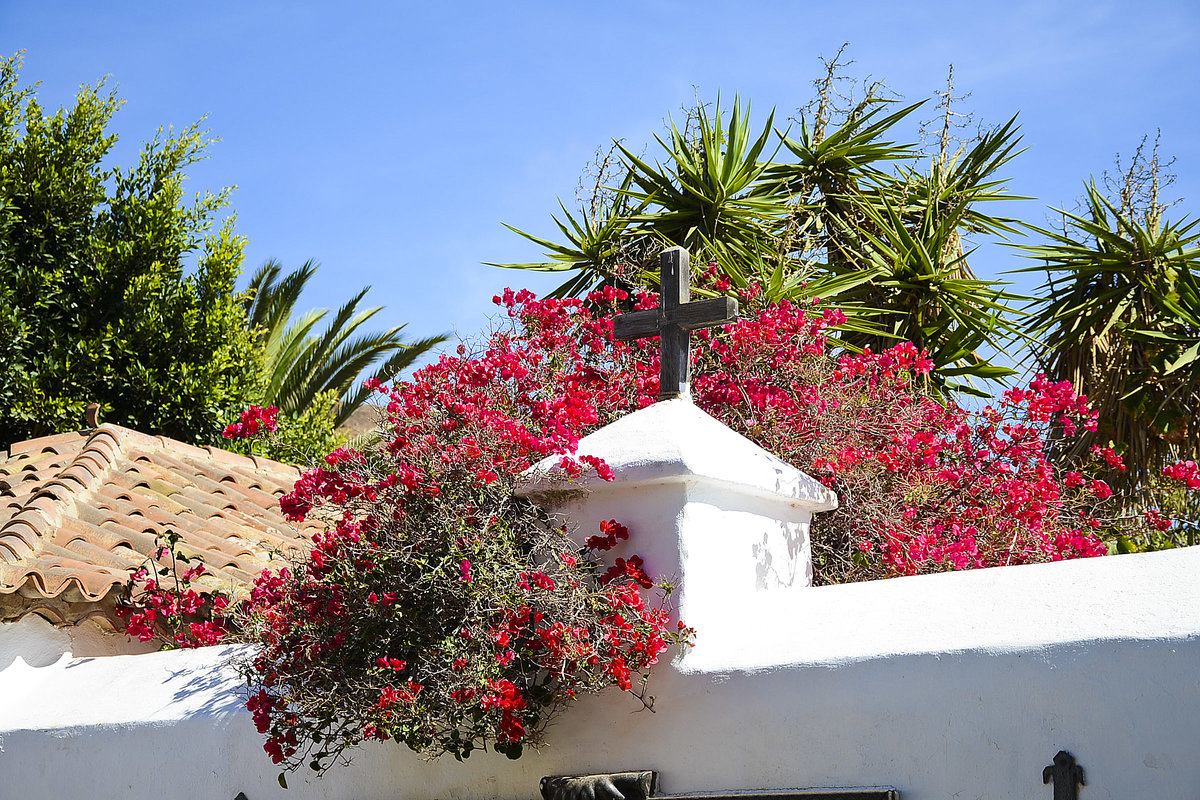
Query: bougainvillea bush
[[441, 611], [164, 599], [924, 485], [438, 609]]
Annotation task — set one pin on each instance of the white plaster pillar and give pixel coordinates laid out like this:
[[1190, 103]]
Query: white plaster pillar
[[728, 521]]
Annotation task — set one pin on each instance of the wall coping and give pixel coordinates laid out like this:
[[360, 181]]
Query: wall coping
[[1014, 609], [1143, 597]]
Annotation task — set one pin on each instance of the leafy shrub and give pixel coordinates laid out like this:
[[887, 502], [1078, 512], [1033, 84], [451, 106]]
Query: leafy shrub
[[438, 609], [114, 288]]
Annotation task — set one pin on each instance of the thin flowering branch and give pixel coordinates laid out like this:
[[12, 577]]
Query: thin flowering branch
[[1186, 473], [164, 601]]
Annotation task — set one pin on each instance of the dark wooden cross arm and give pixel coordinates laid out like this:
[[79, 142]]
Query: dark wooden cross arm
[[674, 320], [691, 317]]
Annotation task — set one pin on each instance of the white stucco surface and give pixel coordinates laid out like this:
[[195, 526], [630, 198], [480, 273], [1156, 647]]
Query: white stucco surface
[[38, 643], [958, 685], [727, 521], [675, 441], [930, 684]]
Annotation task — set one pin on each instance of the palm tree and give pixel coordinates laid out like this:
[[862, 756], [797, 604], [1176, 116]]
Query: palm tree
[[300, 365]]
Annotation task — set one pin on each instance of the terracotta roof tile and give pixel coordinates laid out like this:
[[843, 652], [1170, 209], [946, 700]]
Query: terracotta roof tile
[[79, 510]]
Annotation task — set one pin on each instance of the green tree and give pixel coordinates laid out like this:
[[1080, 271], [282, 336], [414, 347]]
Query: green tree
[[114, 288], [302, 368]]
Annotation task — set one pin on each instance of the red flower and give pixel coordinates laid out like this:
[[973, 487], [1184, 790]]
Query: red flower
[[391, 663], [1185, 472], [255, 420], [511, 727], [610, 533]]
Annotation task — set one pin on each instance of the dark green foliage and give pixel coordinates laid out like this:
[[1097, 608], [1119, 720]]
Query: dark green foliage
[[114, 288]]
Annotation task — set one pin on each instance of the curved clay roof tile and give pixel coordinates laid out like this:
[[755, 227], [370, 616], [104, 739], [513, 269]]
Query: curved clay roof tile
[[80, 510]]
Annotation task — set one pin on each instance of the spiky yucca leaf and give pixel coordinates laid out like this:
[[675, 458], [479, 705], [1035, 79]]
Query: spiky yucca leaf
[[594, 244], [711, 186]]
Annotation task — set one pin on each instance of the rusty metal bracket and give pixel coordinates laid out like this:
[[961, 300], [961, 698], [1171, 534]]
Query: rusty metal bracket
[[637, 785]]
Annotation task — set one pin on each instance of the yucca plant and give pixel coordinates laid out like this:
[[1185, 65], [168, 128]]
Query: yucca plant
[[711, 186], [597, 244], [1120, 318], [709, 190], [909, 230], [835, 213], [300, 365], [830, 172]]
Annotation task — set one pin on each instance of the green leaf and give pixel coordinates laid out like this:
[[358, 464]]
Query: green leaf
[[1187, 357]]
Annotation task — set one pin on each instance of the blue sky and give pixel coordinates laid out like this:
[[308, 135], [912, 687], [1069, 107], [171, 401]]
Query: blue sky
[[388, 141]]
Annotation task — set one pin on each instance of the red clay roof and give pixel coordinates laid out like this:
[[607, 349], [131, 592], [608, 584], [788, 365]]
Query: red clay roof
[[78, 510]]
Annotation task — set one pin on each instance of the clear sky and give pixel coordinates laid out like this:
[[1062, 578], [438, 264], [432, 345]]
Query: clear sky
[[389, 140]]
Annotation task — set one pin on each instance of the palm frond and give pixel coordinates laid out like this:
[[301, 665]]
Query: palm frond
[[300, 363]]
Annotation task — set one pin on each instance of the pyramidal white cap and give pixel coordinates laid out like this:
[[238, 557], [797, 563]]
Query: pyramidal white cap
[[707, 509], [674, 441]]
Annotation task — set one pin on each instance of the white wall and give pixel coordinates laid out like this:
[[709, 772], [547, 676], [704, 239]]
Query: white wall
[[960, 685], [39, 643], [724, 520]]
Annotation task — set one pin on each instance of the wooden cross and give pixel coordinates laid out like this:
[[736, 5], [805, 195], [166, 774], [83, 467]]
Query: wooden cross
[[673, 322]]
